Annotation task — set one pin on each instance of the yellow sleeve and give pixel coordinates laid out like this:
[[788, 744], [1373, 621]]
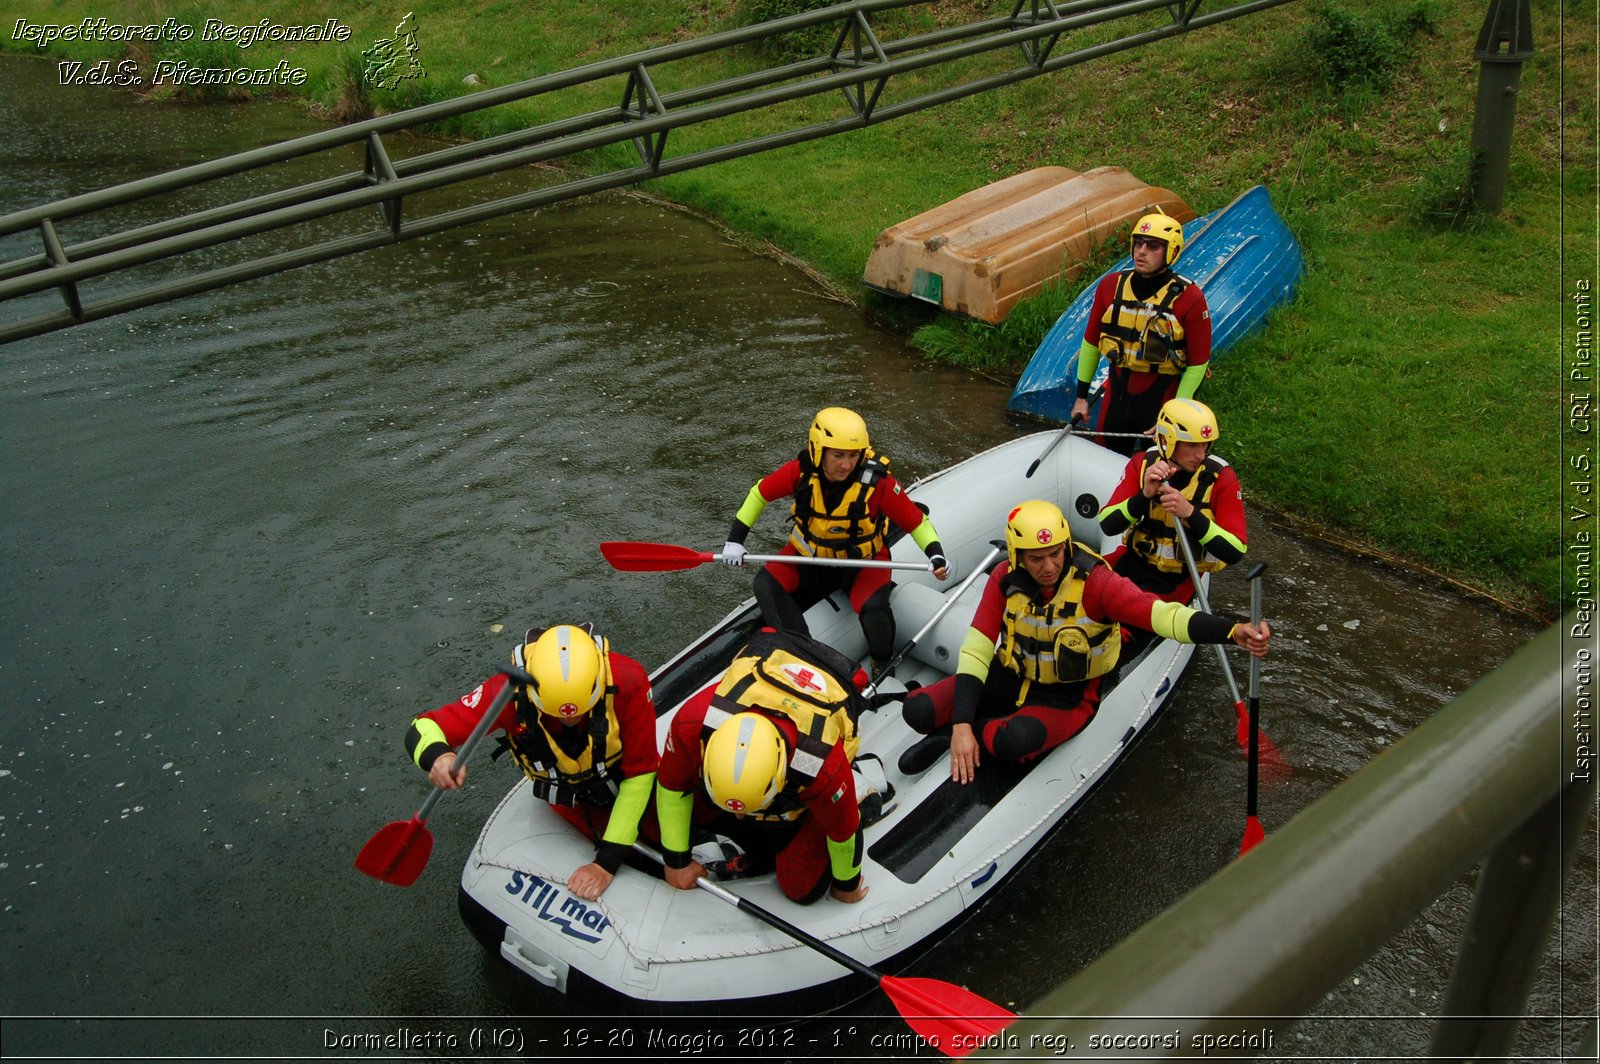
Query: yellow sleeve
[[844, 858], [428, 734], [1088, 361], [750, 510], [1189, 383], [673, 810], [977, 651], [633, 798], [1170, 620]]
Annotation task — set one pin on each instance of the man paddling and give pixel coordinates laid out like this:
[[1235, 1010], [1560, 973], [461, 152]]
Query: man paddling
[[843, 499], [1045, 634], [771, 747], [1153, 326], [584, 732], [1178, 482]]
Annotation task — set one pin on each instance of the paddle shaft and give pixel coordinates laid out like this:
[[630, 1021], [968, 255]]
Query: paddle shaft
[[843, 563], [1200, 596], [1068, 431], [513, 677], [1255, 691], [773, 919], [949, 601], [1054, 441], [950, 1018]]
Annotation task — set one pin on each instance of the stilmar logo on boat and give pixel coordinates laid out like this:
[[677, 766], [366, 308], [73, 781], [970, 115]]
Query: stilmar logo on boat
[[575, 918]]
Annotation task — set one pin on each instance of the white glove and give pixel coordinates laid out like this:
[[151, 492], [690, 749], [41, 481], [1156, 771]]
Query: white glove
[[733, 554]]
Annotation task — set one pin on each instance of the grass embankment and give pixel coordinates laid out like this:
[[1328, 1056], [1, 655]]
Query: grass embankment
[[1409, 399]]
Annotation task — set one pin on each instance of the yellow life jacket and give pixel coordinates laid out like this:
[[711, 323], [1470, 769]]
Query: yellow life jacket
[[846, 530], [790, 675], [1154, 537], [562, 778], [1055, 641], [1143, 335]]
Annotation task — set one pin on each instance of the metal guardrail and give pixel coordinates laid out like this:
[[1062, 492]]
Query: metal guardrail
[[859, 67], [1500, 775]]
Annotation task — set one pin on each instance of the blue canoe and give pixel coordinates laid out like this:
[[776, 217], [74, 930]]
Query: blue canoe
[[1244, 259]]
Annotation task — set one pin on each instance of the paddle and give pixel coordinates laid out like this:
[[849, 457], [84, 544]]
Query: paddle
[[1222, 655], [1054, 440], [949, 601], [1068, 431], [1253, 831], [399, 851], [660, 557], [950, 1018]]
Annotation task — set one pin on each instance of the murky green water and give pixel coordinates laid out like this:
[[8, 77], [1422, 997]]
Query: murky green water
[[248, 534]]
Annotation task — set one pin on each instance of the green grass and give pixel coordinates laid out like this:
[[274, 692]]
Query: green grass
[[1408, 399]]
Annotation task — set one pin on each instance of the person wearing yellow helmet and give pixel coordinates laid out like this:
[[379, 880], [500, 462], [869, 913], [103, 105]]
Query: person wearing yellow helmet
[[1046, 633], [584, 733], [843, 500], [1177, 481], [770, 748], [1153, 326]]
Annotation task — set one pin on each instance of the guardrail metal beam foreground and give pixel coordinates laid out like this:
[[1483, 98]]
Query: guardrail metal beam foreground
[[1270, 934]]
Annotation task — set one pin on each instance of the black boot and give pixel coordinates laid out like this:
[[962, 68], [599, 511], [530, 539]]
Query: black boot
[[923, 753], [877, 805]]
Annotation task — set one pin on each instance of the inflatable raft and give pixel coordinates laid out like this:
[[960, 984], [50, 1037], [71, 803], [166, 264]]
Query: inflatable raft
[[938, 854]]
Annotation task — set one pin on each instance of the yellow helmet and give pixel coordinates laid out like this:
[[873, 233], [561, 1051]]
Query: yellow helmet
[[1159, 226], [836, 427], [1035, 524], [568, 666], [745, 763], [1184, 421]]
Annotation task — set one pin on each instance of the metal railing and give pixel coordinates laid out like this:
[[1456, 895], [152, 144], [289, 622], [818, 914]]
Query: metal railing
[[859, 68], [1502, 775]]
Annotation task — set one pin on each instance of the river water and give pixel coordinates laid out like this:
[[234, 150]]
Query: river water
[[250, 533]]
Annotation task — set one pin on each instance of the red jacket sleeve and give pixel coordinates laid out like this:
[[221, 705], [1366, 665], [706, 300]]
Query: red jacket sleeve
[[781, 482], [442, 730], [832, 798], [1227, 509], [458, 718], [891, 500], [1195, 317], [636, 716], [1131, 484], [680, 759], [991, 611], [1108, 596], [1103, 293]]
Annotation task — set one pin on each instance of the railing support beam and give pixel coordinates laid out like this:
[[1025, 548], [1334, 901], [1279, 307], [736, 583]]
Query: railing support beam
[[1519, 894]]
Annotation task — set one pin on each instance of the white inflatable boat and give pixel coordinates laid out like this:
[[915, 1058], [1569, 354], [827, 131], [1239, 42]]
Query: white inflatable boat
[[941, 850]]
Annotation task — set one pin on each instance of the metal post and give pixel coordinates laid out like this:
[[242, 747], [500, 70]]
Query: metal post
[[1504, 43], [1519, 894]]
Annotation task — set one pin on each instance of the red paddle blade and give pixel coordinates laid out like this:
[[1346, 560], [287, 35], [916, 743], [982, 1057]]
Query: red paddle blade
[[1273, 769], [1264, 747], [952, 1019], [1253, 833], [652, 557], [397, 853]]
